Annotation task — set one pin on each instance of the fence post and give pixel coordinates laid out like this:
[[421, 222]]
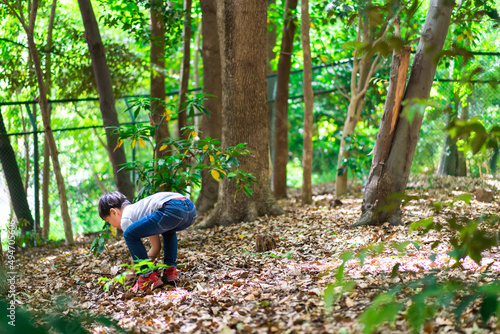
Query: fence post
[[36, 166]]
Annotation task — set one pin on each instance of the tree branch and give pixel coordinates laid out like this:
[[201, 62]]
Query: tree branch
[[14, 42], [370, 73], [20, 16]]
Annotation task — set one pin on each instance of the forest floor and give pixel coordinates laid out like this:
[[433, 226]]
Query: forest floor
[[227, 287]]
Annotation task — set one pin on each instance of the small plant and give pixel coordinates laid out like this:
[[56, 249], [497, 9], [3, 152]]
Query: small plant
[[98, 244], [429, 294], [180, 168], [132, 268]]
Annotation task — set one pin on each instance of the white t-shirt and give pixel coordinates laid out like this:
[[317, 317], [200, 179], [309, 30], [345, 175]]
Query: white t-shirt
[[133, 212]]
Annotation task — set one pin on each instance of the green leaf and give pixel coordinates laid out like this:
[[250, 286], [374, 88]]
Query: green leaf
[[488, 307], [383, 309]]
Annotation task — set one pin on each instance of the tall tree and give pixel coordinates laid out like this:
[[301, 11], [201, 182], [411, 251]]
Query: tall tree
[[399, 128], [242, 32], [158, 114], [307, 154], [271, 75], [106, 97], [370, 39], [186, 57], [281, 103], [46, 153], [211, 125], [14, 181], [29, 28]]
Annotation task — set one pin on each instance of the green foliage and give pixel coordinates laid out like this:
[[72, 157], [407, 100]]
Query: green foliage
[[47, 322], [98, 244], [428, 294], [143, 266], [180, 169]]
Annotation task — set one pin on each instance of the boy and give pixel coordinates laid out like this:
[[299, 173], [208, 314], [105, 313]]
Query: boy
[[163, 213]]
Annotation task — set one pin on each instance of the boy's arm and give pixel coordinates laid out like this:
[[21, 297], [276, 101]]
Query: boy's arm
[[155, 247]]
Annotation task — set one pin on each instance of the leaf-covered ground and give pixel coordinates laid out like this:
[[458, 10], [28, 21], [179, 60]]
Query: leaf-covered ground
[[227, 287]]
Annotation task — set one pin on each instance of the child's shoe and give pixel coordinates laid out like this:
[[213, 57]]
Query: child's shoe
[[152, 281], [170, 274]]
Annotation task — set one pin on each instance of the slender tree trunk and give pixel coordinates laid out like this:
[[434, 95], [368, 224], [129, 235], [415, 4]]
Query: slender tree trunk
[[307, 154], [365, 70], [362, 71], [44, 107], [106, 97], [242, 32], [398, 136], [196, 58], [46, 154], [158, 117], [211, 126], [14, 180], [185, 69], [271, 82], [27, 155], [186, 57], [281, 103]]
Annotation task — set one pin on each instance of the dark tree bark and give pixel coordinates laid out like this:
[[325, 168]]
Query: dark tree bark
[[186, 56], [307, 153], [14, 181], [211, 126], [398, 136], [281, 103], [157, 78], [106, 97], [242, 33]]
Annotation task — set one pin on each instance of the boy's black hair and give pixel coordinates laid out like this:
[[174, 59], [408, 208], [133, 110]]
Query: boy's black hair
[[111, 200]]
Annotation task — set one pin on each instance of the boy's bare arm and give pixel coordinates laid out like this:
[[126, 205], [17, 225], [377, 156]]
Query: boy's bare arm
[[155, 247]]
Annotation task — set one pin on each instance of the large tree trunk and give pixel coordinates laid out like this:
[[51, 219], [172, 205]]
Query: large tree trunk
[[186, 56], [211, 126], [281, 103], [46, 154], [307, 154], [14, 180], [44, 107], [398, 135], [106, 97], [242, 32], [157, 77]]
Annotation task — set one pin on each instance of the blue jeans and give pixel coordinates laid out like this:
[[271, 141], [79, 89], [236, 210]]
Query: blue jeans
[[175, 215]]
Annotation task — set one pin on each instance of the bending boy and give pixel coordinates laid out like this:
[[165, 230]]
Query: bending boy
[[163, 213]]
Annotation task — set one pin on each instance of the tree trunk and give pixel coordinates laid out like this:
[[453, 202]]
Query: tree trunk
[[307, 154], [452, 161], [211, 126], [242, 32], [106, 97], [362, 71], [186, 56], [398, 136], [157, 78], [14, 180], [46, 154], [44, 107], [281, 103], [271, 82]]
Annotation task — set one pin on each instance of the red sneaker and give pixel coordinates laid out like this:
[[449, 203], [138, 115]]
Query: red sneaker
[[170, 274], [152, 281]]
